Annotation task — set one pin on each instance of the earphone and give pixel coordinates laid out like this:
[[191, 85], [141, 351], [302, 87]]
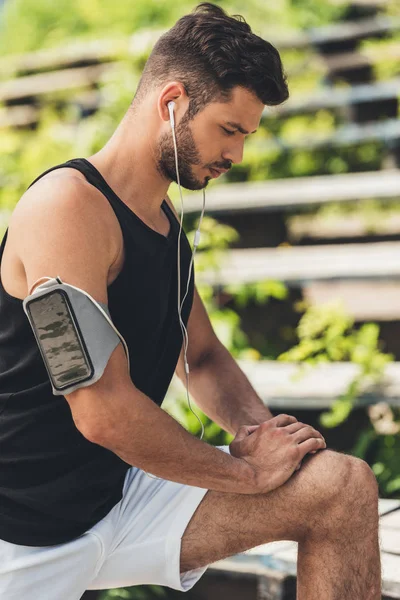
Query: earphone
[[171, 106]]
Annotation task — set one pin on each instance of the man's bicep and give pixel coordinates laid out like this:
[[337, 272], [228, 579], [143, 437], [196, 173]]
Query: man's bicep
[[61, 236], [56, 233], [92, 406]]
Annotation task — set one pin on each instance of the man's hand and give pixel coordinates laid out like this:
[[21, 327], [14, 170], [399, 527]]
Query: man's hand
[[246, 430], [286, 448]]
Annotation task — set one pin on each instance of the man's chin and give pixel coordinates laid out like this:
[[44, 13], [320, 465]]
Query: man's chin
[[195, 185]]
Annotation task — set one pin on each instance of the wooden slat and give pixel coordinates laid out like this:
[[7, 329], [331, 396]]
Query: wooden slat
[[25, 115], [71, 53], [363, 301], [327, 99], [354, 30], [279, 385], [45, 83], [343, 31], [385, 131], [19, 116], [297, 265], [351, 226], [281, 194], [109, 49], [337, 98], [97, 51], [386, 506], [73, 77], [368, 3], [365, 56], [60, 57]]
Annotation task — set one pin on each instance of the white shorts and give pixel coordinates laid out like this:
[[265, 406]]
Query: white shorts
[[137, 543]]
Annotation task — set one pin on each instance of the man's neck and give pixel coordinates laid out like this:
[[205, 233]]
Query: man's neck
[[127, 163]]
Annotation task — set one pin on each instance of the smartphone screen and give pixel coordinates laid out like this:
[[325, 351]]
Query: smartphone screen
[[60, 340]]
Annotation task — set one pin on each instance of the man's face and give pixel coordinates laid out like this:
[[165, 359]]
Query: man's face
[[211, 140]]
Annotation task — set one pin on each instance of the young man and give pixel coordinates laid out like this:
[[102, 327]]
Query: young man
[[78, 510]]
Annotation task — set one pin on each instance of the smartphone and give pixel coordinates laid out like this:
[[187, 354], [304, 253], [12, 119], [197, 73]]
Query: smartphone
[[60, 339]]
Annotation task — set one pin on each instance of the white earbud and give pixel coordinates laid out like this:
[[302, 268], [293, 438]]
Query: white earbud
[[171, 106]]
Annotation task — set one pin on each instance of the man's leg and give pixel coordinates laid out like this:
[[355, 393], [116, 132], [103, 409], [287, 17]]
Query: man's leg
[[329, 506]]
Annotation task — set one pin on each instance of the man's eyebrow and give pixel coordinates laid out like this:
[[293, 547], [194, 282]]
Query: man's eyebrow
[[239, 127]]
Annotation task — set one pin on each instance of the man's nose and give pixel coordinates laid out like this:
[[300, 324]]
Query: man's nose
[[234, 154]]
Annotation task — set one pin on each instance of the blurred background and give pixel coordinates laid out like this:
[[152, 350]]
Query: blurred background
[[299, 260]]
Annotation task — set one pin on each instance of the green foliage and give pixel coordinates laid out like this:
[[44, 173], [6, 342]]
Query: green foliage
[[327, 334], [313, 14], [372, 215], [384, 54], [45, 24], [270, 153], [379, 445], [261, 163], [225, 321], [61, 135], [141, 592], [260, 292], [180, 408]]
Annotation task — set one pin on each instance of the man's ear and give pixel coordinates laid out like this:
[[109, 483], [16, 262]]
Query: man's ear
[[173, 91]]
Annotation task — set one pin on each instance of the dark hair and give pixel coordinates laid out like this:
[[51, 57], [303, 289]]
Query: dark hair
[[210, 53]]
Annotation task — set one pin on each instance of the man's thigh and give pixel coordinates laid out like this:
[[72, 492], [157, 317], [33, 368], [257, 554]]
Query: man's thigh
[[225, 524]]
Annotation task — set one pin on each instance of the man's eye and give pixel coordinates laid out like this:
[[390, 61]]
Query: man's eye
[[228, 132]]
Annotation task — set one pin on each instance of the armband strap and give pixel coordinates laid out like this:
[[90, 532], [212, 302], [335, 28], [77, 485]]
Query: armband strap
[[74, 332]]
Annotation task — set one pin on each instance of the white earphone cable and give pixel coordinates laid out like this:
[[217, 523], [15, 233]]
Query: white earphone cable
[[195, 244]]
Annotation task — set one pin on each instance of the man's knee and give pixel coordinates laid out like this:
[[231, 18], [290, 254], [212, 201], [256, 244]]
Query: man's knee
[[337, 479], [328, 474], [363, 489], [345, 489]]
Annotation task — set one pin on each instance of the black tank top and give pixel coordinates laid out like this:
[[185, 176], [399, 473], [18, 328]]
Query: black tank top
[[54, 483]]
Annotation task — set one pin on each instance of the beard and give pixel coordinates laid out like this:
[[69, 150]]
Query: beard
[[188, 155]]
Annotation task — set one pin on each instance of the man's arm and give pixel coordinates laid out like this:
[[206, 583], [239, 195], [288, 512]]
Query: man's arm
[[223, 392], [216, 382], [124, 420], [112, 412]]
